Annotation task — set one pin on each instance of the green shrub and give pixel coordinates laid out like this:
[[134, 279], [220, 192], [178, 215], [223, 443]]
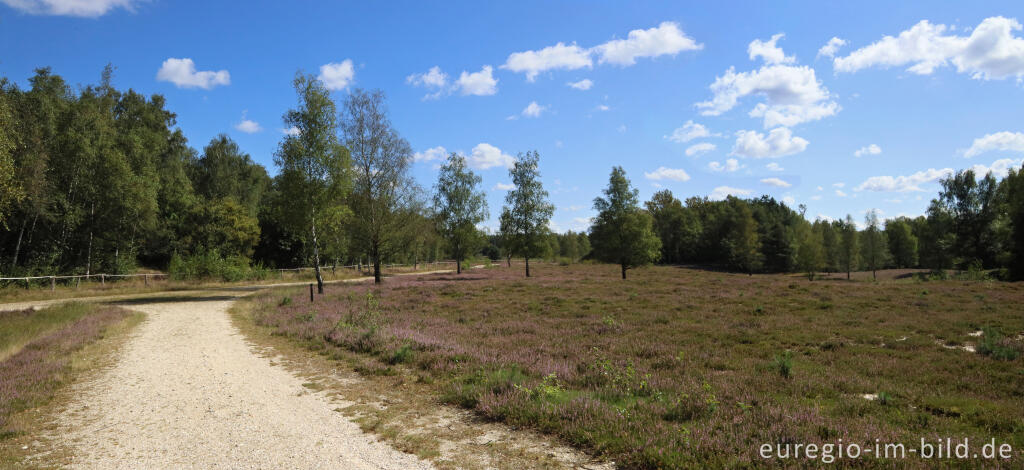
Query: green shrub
[[210, 265], [993, 345], [784, 364], [401, 355]]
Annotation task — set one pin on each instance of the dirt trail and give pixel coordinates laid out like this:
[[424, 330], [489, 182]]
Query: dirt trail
[[189, 392]]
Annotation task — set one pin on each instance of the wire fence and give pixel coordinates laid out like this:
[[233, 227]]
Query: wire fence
[[75, 280]]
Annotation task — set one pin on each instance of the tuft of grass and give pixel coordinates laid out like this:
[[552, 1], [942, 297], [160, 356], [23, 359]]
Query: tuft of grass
[[994, 345], [401, 355], [285, 301]]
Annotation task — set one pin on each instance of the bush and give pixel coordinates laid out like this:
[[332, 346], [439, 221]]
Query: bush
[[784, 364], [993, 344], [210, 265]]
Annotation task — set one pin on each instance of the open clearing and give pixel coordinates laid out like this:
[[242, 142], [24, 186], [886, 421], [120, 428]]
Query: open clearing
[[683, 367]]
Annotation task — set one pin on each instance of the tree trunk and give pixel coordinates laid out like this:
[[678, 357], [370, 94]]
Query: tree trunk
[[847, 274], [623, 270], [316, 255], [376, 267], [17, 245], [508, 261], [527, 266], [458, 265], [88, 256]]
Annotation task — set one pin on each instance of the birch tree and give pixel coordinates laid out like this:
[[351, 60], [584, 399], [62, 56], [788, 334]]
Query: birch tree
[[460, 205]]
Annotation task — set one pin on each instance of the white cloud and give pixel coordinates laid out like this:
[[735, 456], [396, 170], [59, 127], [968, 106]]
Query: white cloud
[[602, 107], [697, 149], [666, 39], [780, 142], [480, 83], [778, 183], [559, 56], [816, 197], [670, 174], [690, 130], [504, 187], [84, 8], [838, 185], [182, 72], [486, 156], [869, 150], [903, 183], [774, 167], [433, 79], [789, 200], [721, 192], [792, 95], [768, 51], [730, 166], [831, 48], [292, 131], [1000, 141], [248, 125], [430, 154], [840, 193], [533, 110], [991, 51], [337, 76], [574, 208], [584, 84], [999, 168]]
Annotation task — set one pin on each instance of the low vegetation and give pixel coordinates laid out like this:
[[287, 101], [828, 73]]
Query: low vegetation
[[680, 367], [37, 351]]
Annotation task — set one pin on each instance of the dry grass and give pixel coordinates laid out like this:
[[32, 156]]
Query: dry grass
[[680, 367]]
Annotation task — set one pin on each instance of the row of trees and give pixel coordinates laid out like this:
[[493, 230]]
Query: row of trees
[[101, 180]]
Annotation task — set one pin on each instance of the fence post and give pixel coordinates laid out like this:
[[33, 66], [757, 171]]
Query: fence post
[[145, 278], [311, 292], [53, 283], [27, 285], [103, 279], [78, 282]]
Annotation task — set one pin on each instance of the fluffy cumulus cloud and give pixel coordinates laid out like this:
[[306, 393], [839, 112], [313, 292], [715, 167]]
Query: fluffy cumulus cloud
[[430, 154], [584, 84], [433, 79], [292, 131], [792, 94], [774, 167], [85, 8], [868, 150], [670, 174], [831, 47], [697, 149], [779, 142], [730, 166], [689, 131], [248, 125], [183, 73], [486, 156], [769, 51], [999, 168], [990, 51], [722, 192], [503, 187], [778, 183], [533, 110], [903, 183], [337, 76], [559, 56], [1000, 141], [666, 39], [480, 83]]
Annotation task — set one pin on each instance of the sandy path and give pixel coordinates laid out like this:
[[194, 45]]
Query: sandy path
[[188, 392]]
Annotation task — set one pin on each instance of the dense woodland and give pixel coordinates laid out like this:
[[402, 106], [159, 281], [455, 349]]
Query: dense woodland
[[95, 179]]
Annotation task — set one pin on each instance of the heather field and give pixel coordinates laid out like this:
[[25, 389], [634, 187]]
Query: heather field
[[679, 367], [38, 354]]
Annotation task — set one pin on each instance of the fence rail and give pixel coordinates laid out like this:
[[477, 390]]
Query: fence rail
[[103, 277]]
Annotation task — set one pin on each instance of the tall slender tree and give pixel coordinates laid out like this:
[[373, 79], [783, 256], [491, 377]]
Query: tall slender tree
[[383, 191], [314, 165], [460, 205], [525, 217], [622, 233], [875, 249], [849, 249]]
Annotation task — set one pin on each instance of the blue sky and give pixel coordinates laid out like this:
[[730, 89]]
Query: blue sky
[[702, 99]]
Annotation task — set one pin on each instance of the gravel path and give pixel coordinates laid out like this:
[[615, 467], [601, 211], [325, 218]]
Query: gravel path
[[188, 392]]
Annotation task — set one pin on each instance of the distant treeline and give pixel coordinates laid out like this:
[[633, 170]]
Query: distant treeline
[[101, 180]]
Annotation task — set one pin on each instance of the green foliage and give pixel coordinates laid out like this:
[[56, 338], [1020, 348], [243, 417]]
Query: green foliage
[[401, 355], [459, 205], [902, 242], [524, 219], [210, 265], [783, 364], [621, 232], [993, 344]]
